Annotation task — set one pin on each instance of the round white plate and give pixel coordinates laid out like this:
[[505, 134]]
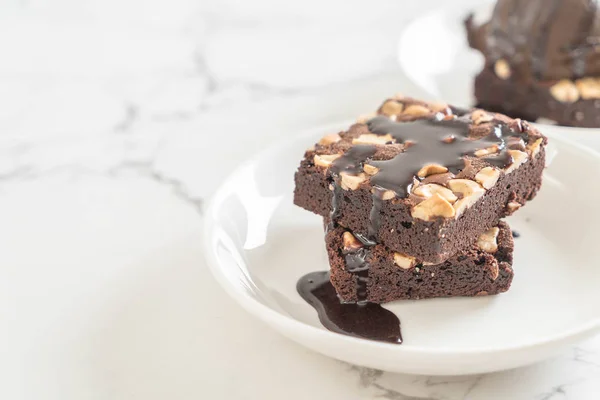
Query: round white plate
[[258, 244], [434, 54]]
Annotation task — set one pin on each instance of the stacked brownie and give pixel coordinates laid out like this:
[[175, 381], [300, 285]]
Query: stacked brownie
[[542, 59], [413, 196]]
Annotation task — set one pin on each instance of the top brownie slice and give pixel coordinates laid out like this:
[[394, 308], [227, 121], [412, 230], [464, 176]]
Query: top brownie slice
[[423, 179]]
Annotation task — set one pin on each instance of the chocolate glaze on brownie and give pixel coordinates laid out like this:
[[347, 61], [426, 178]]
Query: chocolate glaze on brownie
[[378, 203], [481, 270], [434, 141]]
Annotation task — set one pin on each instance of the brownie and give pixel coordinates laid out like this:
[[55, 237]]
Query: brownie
[[422, 179], [543, 67], [536, 100], [374, 273]]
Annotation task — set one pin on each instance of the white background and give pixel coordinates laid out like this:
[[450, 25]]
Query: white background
[[117, 120]]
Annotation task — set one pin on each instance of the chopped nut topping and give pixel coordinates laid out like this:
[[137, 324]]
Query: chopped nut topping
[[487, 177], [435, 206], [494, 270], [486, 152], [589, 88], [471, 192], [488, 241], [416, 110], [330, 139], [351, 243], [502, 69], [512, 207], [519, 157], [534, 148], [431, 169], [371, 138], [388, 195], [392, 107], [438, 106], [370, 170], [429, 190], [325, 160], [565, 91], [404, 261], [480, 117], [351, 182]]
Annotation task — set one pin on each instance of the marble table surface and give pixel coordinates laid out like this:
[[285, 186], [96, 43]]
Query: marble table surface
[[118, 119]]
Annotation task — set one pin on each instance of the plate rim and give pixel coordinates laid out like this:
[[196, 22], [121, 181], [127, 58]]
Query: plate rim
[[265, 313]]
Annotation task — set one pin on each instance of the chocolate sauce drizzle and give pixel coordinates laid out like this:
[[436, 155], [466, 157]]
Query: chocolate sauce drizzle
[[433, 141], [367, 321], [357, 263], [375, 214], [351, 162]]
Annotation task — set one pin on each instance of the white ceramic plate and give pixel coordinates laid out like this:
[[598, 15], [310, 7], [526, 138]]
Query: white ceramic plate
[[434, 54], [258, 244]]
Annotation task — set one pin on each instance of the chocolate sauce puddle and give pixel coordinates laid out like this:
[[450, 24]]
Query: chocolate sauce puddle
[[366, 321]]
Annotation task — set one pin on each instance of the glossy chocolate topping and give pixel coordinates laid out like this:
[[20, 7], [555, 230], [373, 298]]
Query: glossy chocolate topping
[[351, 162], [441, 142], [427, 141]]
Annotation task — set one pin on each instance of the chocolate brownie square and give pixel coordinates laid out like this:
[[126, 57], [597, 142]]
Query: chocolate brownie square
[[422, 179], [542, 67], [362, 272]]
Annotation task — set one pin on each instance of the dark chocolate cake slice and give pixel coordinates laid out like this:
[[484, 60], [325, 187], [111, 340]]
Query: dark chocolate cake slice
[[365, 272], [542, 60], [423, 179]]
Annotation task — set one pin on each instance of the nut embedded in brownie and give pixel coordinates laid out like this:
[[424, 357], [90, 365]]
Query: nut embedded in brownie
[[422, 179], [362, 272], [547, 66]]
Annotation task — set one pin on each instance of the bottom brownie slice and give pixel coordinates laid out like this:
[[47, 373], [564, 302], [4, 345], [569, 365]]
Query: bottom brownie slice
[[362, 272]]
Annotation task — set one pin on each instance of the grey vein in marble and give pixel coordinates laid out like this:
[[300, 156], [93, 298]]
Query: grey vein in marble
[[132, 113], [177, 187], [368, 379]]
